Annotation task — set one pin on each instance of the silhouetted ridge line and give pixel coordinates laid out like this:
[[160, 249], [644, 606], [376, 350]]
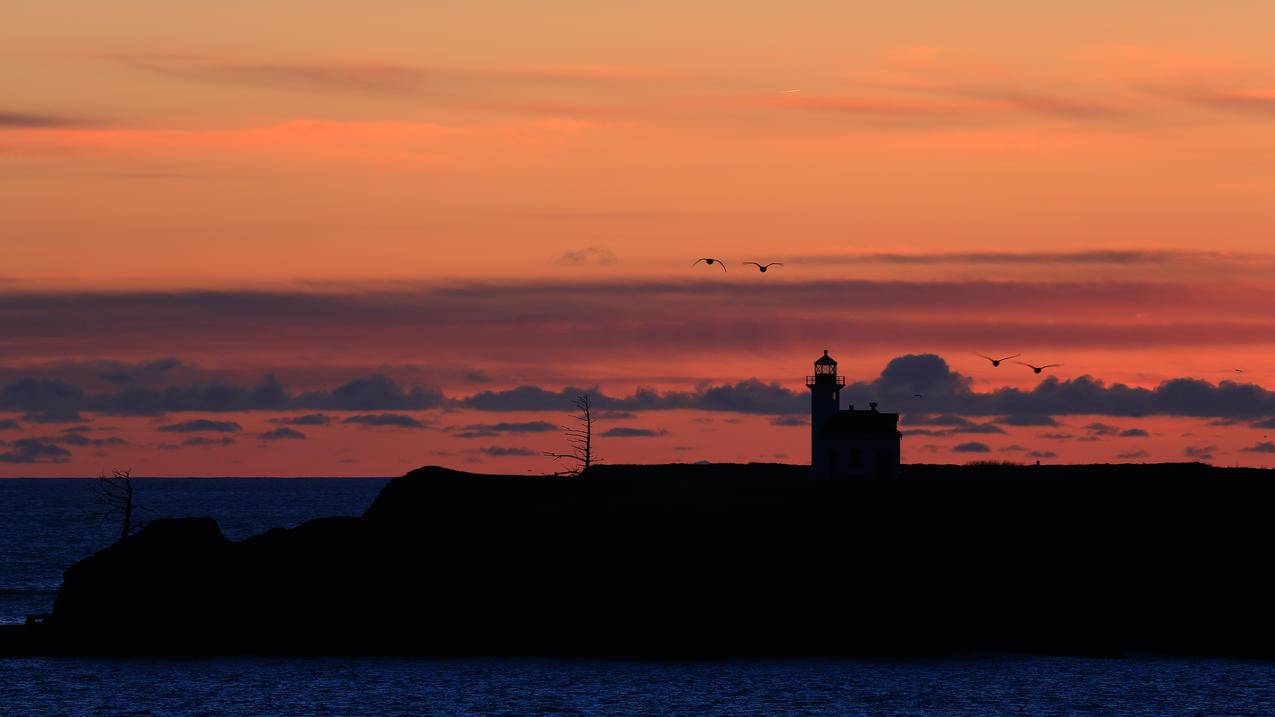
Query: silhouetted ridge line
[[757, 559]]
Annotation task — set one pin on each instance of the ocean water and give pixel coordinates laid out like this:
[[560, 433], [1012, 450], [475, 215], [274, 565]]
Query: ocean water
[[45, 526]]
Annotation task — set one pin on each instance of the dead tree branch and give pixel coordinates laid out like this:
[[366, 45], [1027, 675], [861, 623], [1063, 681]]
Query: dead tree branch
[[579, 439]]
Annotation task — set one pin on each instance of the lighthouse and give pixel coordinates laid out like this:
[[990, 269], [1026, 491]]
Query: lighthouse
[[849, 443]]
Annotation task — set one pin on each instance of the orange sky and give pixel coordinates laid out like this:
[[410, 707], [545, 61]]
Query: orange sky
[[1090, 184]]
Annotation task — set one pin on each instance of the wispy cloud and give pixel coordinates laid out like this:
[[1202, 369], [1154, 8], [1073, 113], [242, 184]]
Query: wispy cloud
[[18, 120]]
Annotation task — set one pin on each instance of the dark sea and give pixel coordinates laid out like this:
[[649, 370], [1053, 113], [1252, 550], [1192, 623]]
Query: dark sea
[[45, 526]]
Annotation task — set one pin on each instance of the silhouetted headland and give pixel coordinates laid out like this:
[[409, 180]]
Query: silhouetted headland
[[708, 560]]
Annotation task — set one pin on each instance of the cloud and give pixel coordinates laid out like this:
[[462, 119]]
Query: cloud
[[1132, 455], [18, 120], [925, 419], [1267, 423], [34, 450], [309, 419], [144, 372], [1201, 453], [283, 433], [201, 425], [1260, 447], [79, 439], [615, 415], [1042, 454], [1027, 420], [507, 451], [56, 415], [387, 420], [1012, 448], [204, 441], [589, 255], [1134, 433], [375, 392], [1102, 429], [8, 424], [790, 422], [659, 318], [1081, 258], [509, 427], [629, 432], [971, 447]]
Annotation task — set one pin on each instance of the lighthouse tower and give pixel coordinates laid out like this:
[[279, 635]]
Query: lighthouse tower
[[849, 443], [825, 402]]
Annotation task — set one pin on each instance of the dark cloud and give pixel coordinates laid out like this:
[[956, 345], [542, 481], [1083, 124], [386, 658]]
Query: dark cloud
[[8, 424], [507, 451], [56, 415], [280, 434], [1134, 433], [370, 393], [507, 427], [1111, 257], [1042, 454], [615, 415], [629, 432], [143, 372], [1020, 419], [34, 450], [925, 419], [1102, 429], [947, 393], [18, 120], [36, 395], [386, 420], [971, 447], [790, 422], [1267, 423], [1055, 436], [203, 441], [201, 425], [1013, 448], [309, 419], [1260, 447], [657, 316], [1133, 455], [1200, 453], [79, 439]]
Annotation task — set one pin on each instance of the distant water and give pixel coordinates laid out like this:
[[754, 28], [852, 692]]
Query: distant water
[[45, 526], [383, 687]]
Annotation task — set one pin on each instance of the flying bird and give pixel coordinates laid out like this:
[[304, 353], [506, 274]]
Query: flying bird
[[1038, 369], [997, 361], [711, 262], [916, 395], [763, 267]]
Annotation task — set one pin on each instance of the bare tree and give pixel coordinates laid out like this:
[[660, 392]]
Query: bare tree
[[579, 438], [115, 498]]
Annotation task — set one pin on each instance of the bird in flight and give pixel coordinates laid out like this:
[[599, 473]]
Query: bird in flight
[[997, 361], [1038, 369], [711, 262], [917, 395], [763, 267]]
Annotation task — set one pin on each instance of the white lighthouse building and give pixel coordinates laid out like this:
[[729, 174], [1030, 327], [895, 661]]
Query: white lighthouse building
[[849, 443]]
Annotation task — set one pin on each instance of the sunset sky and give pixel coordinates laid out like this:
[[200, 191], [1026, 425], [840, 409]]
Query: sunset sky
[[297, 238]]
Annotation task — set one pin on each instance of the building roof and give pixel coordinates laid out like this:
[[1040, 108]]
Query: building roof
[[825, 360], [859, 423]]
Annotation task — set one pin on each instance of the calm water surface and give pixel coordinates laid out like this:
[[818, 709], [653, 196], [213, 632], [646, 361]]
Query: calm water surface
[[44, 527]]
